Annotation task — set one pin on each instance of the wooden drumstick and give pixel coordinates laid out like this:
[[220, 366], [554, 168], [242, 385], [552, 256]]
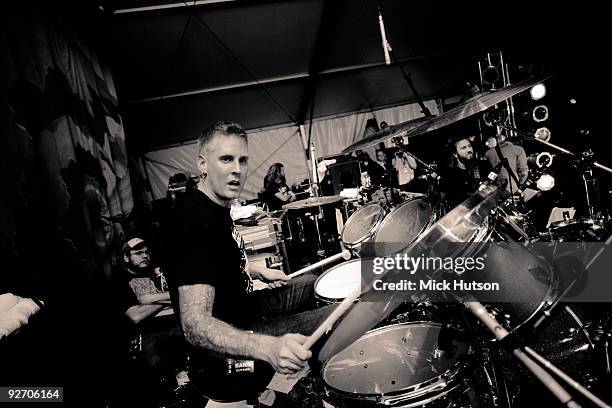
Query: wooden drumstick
[[332, 318], [346, 254], [326, 325]]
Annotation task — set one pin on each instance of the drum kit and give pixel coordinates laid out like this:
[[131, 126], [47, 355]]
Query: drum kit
[[402, 353]]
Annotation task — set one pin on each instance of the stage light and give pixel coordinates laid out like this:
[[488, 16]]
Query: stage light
[[540, 113], [543, 133], [538, 92], [545, 182]]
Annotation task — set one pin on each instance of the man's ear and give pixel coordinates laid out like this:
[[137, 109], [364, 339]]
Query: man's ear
[[202, 162], [126, 258]]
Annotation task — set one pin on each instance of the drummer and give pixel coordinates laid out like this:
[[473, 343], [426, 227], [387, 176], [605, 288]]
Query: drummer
[[461, 177], [211, 280], [276, 192]]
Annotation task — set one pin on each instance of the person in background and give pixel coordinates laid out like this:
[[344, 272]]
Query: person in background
[[405, 166], [462, 176], [381, 159], [276, 191], [517, 160]]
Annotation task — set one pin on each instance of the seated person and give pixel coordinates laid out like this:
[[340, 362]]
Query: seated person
[[209, 274], [145, 295], [276, 192]]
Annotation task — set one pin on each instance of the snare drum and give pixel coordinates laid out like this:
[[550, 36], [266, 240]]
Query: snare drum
[[362, 225], [339, 282], [409, 365]]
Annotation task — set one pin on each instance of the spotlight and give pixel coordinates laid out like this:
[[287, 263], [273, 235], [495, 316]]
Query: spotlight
[[538, 92], [543, 134], [545, 182], [540, 113], [544, 160]]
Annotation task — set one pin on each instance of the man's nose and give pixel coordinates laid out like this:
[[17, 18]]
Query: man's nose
[[237, 167]]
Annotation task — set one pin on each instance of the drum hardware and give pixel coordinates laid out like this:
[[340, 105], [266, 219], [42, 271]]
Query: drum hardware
[[530, 359]]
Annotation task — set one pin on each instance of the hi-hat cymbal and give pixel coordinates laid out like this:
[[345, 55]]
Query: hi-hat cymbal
[[472, 106], [312, 202], [459, 225]]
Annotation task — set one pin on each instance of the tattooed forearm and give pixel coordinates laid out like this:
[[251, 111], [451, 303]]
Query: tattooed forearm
[[203, 330]]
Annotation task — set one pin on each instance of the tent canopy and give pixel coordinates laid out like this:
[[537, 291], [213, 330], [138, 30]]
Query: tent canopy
[[181, 65]]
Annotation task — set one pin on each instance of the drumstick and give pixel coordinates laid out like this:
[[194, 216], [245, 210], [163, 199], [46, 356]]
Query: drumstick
[[346, 254], [325, 326], [332, 318]]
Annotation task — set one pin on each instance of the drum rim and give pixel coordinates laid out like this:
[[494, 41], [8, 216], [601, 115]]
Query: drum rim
[[383, 214], [448, 376], [324, 298]]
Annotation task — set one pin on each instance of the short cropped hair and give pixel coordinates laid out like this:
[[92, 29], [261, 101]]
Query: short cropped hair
[[224, 127]]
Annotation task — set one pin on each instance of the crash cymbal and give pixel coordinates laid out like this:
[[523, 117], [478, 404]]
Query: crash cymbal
[[472, 106], [312, 202], [459, 225], [385, 134]]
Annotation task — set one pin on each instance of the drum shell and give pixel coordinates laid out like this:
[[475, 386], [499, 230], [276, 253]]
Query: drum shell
[[527, 281], [404, 224], [360, 227]]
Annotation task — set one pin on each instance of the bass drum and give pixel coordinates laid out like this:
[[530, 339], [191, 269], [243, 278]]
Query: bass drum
[[362, 225], [409, 365]]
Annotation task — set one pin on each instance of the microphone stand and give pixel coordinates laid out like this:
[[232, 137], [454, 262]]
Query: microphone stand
[[424, 109], [511, 173]]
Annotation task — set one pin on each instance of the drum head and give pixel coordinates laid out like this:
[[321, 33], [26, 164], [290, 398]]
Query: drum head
[[362, 224], [340, 281], [395, 358], [402, 226]]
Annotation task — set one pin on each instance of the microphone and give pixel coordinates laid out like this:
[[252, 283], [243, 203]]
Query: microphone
[[385, 44]]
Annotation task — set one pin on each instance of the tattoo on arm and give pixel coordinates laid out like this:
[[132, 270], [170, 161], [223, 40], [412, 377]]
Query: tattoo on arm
[[203, 330]]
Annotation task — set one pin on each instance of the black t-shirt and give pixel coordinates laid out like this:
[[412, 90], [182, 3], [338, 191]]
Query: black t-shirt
[[459, 184], [205, 248]]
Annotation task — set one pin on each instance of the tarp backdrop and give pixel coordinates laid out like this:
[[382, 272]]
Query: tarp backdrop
[[282, 145]]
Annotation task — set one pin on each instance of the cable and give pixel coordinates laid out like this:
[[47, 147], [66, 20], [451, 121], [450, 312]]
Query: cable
[[227, 49]]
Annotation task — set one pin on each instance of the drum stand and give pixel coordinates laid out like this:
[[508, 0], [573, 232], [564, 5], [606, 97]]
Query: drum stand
[[533, 361]]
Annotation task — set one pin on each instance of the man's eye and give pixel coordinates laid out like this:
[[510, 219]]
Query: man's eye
[[226, 159]]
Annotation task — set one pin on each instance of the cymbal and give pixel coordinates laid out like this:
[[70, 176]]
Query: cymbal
[[312, 202], [472, 106], [459, 225], [385, 134]]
